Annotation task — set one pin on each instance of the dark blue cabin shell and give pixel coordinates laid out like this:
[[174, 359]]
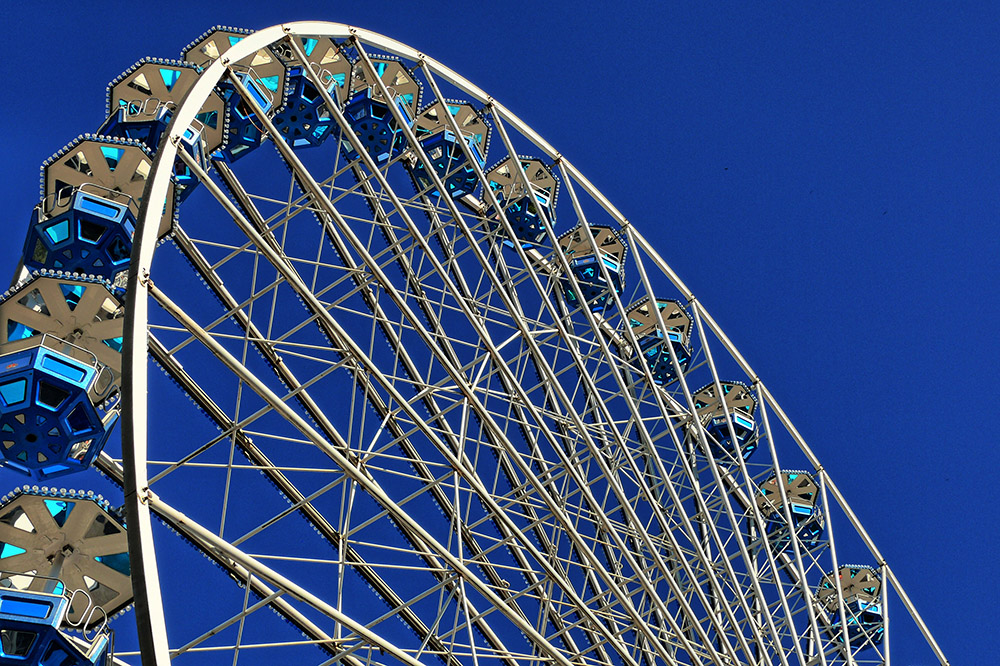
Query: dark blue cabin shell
[[808, 528], [657, 352], [721, 442], [30, 635], [48, 425], [246, 132], [93, 237], [375, 127], [527, 216], [863, 609], [305, 120], [594, 289], [865, 624], [130, 122]]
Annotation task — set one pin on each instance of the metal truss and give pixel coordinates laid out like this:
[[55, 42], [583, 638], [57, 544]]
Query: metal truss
[[383, 420]]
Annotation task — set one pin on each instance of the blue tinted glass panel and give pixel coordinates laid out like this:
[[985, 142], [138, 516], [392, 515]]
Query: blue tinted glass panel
[[72, 293], [270, 82], [209, 119], [112, 156], [102, 208], [16, 642], [169, 77], [18, 331], [117, 562], [63, 369], [58, 232], [25, 607], [14, 392]]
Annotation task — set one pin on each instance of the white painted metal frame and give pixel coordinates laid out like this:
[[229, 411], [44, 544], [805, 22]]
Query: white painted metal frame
[[704, 535]]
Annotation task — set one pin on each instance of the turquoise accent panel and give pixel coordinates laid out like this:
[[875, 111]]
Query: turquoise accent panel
[[105, 209], [112, 156], [170, 77], [114, 343], [209, 119], [59, 509], [72, 293], [271, 82], [24, 607]]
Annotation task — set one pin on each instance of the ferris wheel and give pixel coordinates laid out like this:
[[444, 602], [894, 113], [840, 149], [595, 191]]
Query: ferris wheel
[[396, 384]]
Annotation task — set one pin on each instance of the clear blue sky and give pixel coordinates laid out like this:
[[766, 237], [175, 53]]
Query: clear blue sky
[[825, 180]]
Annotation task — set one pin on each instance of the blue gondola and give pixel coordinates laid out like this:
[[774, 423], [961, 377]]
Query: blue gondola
[[526, 191], [30, 634], [93, 236], [375, 126], [585, 263], [435, 130], [261, 73], [656, 347], [727, 443], [449, 163], [150, 90], [48, 425], [801, 491], [863, 609]]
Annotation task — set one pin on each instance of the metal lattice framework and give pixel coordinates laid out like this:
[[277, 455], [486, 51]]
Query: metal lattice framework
[[424, 410]]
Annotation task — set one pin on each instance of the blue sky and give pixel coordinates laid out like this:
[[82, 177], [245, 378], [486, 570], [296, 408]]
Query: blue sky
[[825, 181]]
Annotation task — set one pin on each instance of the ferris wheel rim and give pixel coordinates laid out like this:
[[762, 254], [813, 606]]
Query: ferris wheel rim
[[135, 351]]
